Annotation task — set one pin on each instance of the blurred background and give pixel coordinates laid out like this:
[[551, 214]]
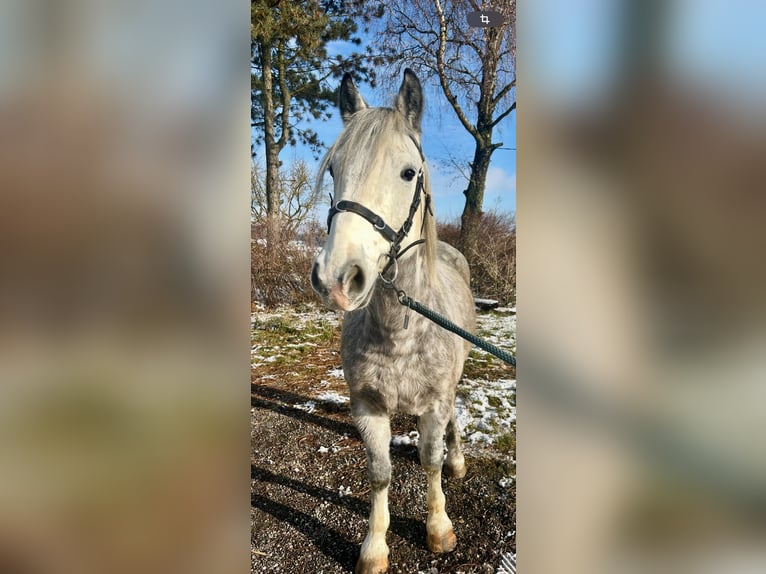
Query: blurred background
[[641, 286], [124, 298], [124, 310]]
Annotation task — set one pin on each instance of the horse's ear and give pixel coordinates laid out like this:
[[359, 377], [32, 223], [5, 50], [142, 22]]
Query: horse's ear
[[410, 99], [349, 100]]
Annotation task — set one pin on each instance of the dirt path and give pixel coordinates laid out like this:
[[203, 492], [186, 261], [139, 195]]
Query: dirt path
[[309, 493]]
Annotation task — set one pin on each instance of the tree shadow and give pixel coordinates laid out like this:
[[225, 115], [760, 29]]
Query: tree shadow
[[330, 542], [284, 402], [402, 526]]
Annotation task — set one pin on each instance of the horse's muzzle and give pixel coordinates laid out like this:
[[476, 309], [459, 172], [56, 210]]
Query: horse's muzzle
[[346, 290]]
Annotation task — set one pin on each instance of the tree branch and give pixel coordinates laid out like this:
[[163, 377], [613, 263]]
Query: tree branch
[[501, 94], [500, 118], [451, 98]]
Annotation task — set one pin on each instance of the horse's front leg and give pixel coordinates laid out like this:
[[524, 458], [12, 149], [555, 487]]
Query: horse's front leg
[[376, 432], [440, 536]]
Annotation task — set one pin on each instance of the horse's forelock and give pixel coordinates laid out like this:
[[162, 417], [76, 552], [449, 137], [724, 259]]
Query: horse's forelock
[[368, 131]]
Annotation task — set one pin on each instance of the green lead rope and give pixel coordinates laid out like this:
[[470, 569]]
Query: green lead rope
[[501, 354]]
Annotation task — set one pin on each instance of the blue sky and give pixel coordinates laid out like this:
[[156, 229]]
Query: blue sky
[[445, 141], [714, 46]]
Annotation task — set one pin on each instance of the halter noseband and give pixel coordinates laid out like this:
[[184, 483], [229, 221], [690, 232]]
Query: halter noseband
[[376, 220], [395, 238]]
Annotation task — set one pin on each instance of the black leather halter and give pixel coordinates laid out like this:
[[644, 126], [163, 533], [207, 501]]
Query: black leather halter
[[395, 238], [376, 220]]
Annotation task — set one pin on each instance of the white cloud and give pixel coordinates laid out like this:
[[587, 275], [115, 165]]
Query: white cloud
[[500, 181], [500, 191]]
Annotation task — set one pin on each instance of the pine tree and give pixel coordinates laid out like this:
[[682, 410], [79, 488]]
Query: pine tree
[[290, 69]]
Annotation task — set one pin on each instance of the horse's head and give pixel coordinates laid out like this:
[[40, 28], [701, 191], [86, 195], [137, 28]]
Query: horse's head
[[379, 179]]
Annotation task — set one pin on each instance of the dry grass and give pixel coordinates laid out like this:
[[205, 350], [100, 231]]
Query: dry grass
[[280, 267], [493, 267]]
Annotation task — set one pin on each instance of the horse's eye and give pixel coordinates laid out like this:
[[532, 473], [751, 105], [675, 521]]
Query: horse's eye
[[330, 170], [408, 174]]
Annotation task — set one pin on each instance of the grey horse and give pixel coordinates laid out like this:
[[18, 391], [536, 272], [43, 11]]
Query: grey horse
[[381, 183]]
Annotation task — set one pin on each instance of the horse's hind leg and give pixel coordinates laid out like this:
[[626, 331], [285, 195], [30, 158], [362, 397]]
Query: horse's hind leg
[[440, 536], [455, 464], [376, 432]]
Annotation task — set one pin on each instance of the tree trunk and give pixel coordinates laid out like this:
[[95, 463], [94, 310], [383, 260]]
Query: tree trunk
[[474, 198], [272, 149]]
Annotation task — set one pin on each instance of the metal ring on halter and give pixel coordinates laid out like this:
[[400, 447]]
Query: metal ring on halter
[[392, 261]]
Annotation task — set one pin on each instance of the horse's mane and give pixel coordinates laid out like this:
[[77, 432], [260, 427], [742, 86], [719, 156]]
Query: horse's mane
[[372, 125], [430, 227]]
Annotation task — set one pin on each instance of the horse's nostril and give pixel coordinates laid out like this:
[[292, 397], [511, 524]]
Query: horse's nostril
[[315, 282], [355, 280]]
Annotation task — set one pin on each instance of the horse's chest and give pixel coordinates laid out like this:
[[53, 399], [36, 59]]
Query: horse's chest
[[401, 376]]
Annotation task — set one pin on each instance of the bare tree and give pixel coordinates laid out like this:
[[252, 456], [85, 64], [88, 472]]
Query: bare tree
[[294, 190], [473, 67]]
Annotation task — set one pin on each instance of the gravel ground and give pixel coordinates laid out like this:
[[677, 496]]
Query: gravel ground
[[309, 491]]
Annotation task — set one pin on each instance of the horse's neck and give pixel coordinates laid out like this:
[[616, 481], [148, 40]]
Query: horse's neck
[[412, 278]]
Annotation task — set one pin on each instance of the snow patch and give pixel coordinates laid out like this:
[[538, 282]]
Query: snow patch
[[405, 439], [505, 482], [332, 397], [505, 309], [481, 437], [485, 409], [308, 406]]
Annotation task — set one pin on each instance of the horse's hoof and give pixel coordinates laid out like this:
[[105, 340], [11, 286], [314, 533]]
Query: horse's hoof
[[456, 471], [378, 566], [443, 543]]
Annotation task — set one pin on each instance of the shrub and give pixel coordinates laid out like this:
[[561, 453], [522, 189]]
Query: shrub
[[493, 267], [280, 271], [280, 267]]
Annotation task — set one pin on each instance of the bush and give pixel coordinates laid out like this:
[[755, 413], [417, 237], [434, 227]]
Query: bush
[[280, 268], [493, 267], [280, 273]]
